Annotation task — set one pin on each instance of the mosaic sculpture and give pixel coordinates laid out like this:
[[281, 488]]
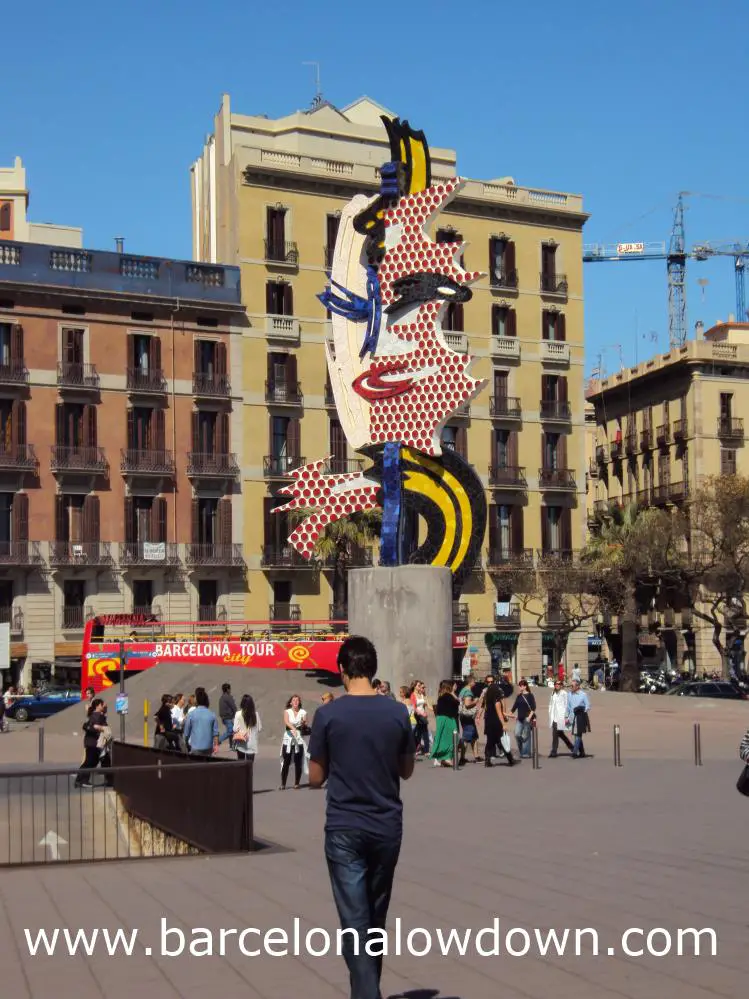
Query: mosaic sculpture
[[395, 379]]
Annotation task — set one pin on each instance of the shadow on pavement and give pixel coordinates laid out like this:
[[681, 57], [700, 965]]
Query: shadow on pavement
[[422, 994]]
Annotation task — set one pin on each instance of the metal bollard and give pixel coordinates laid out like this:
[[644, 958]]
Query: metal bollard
[[617, 746], [145, 722], [534, 748], [697, 745], [41, 742], [455, 750]]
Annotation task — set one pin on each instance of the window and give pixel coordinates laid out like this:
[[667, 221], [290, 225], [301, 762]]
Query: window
[[145, 519], [13, 427], [144, 353], [279, 298], [73, 347], [276, 525], [551, 451], [556, 529], [726, 407], [284, 444], [453, 318], [282, 377], [503, 449], [664, 470], [501, 384], [76, 425], [210, 432], [6, 597], [503, 515], [11, 345], [553, 325], [502, 273], [548, 266], [504, 321], [275, 234], [6, 217], [142, 596], [279, 436], [74, 596], [505, 530], [632, 478], [332, 222], [211, 521], [455, 439], [338, 447], [210, 357], [728, 461], [146, 430], [77, 518], [207, 599]]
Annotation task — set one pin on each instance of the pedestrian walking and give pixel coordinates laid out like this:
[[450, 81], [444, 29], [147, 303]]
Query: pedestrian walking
[[446, 713], [421, 708], [247, 727], [494, 720], [227, 711], [293, 746], [97, 739], [363, 745], [469, 735], [578, 719], [558, 719], [201, 726], [524, 710]]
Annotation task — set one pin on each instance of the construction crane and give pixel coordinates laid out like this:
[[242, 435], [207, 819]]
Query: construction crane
[[676, 255]]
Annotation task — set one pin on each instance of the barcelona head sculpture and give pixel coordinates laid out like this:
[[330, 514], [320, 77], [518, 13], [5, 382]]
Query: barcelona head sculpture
[[395, 378]]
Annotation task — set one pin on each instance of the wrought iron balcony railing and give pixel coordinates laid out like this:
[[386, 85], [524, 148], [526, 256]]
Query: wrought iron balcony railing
[[550, 556], [506, 278], [94, 553], [511, 476], [508, 617], [661, 493], [148, 553], [285, 557], [146, 380], [74, 618], [12, 616], [503, 558], [553, 409], [212, 465], [71, 374], [506, 406], [646, 439], [20, 553], [663, 433], [284, 393], [630, 442], [678, 491], [78, 459], [281, 252], [18, 456], [732, 428], [147, 611], [211, 612], [215, 554], [681, 430], [339, 466], [460, 617], [279, 466], [556, 478], [283, 613], [154, 461], [208, 383], [14, 373], [553, 284]]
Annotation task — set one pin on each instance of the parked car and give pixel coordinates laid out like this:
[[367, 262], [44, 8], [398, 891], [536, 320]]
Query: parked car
[[30, 706], [709, 688]]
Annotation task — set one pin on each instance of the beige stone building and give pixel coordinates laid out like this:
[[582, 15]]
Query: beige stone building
[[14, 203], [660, 428], [267, 194]]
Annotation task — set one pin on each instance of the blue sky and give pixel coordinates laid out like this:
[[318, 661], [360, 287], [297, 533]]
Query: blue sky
[[625, 103]]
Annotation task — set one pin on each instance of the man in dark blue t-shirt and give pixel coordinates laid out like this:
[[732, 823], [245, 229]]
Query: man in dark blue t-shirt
[[363, 745]]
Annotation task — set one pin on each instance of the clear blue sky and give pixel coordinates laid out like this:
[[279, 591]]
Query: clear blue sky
[[626, 103]]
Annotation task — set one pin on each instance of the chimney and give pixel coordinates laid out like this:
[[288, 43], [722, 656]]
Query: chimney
[[119, 244], [699, 330], [731, 317]]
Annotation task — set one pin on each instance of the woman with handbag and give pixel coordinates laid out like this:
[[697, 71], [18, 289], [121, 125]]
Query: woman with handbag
[[246, 728], [293, 746], [524, 709], [496, 737], [421, 708], [97, 738]]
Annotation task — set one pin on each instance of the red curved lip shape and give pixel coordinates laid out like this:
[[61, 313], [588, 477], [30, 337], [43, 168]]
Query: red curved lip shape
[[371, 386]]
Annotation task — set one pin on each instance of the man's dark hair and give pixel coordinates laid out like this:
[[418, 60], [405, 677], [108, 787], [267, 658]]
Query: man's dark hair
[[225, 688], [357, 658], [201, 698]]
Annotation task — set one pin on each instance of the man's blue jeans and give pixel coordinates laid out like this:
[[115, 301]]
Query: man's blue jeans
[[361, 867], [228, 732]]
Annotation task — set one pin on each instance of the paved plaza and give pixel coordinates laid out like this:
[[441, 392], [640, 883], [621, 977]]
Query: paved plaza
[[658, 842]]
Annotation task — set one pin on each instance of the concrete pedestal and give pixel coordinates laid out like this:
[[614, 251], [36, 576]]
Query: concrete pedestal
[[407, 612]]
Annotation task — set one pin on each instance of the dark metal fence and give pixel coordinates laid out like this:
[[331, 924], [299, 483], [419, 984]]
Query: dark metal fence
[[160, 804]]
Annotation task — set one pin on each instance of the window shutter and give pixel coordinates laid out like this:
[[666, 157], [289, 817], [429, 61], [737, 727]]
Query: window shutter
[[223, 433], [130, 352], [545, 324], [196, 359], [19, 423], [458, 323], [90, 437], [562, 389], [562, 451], [727, 462], [20, 523], [224, 522], [131, 444], [291, 372], [516, 528], [156, 353], [512, 449], [493, 528], [195, 522], [268, 538], [511, 323], [500, 384], [331, 234], [492, 259], [545, 533], [270, 305], [547, 387], [288, 299], [293, 438], [544, 454], [61, 518], [269, 227], [159, 418], [5, 216], [461, 442], [60, 424], [509, 257], [561, 326], [16, 344], [158, 511], [220, 358], [566, 529], [129, 519], [91, 515], [495, 320]]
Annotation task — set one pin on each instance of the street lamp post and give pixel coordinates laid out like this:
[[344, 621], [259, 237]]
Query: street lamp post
[[122, 690]]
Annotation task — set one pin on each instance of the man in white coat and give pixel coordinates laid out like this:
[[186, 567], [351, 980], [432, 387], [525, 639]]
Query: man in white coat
[[557, 718]]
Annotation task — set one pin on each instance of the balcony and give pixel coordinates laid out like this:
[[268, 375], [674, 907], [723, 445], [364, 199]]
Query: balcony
[[510, 476], [343, 466], [211, 613], [600, 454], [74, 618], [646, 439], [148, 554], [553, 284], [663, 434], [92, 460], [12, 616], [284, 393], [17, 457], [212, 466], [280, 466], [15, 373], [556, 478], [80, 553], [552, 409], [505, 407], [504, 279], [616, 450], [661, 494], [505, 346], [549, 557], [149, 612], [77, 376], [456, 341], [281, 252], [215, 554], [282, 328], [731, 428], [144, 381], [507, 616], [630, 442], [156, 461], [460, 617], [593, 469], [644, 497], [678, 491], [14, 553], [284, 613], [210, 385], [555, 352], [508, 558], [681, 430], [285, 557]]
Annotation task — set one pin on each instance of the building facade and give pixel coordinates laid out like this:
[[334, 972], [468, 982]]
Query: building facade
[[660, 429], [120, 446], [267, 195], [14, 203]]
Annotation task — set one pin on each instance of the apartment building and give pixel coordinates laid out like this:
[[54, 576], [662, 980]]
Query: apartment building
[[661, 428], [120, 445], [267, 194], [14, 222]]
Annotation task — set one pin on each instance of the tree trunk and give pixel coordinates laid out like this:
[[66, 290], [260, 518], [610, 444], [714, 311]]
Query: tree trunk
[[629, 679], [340, 588]]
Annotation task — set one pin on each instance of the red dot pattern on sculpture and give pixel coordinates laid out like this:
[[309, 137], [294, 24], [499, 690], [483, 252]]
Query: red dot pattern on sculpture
[[434, 397]]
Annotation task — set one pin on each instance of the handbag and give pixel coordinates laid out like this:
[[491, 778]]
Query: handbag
[[505, 742], [742, 784]]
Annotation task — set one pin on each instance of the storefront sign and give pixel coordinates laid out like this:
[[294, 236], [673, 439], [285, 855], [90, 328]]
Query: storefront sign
[[500, 638]]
